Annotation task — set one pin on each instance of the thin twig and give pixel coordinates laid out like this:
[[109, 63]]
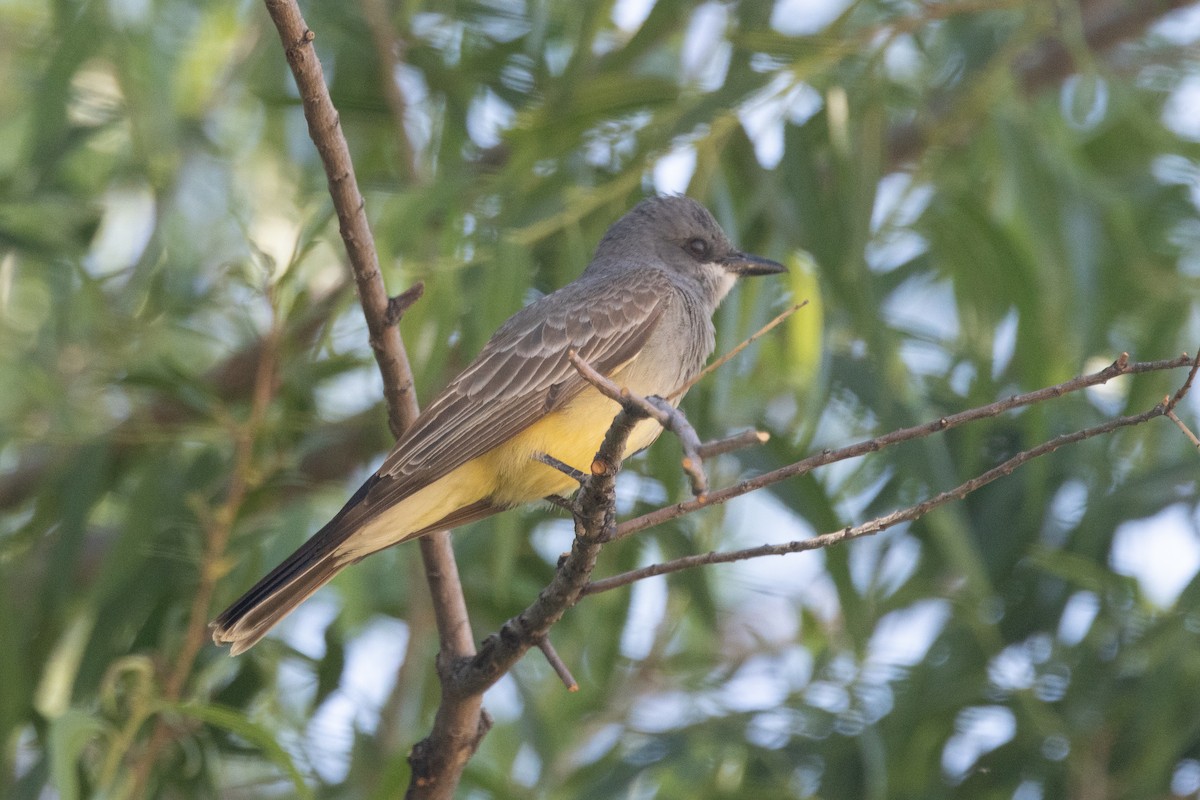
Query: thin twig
[[1043, 65], [1187, 384], [1121, 366], [595, 524], [879, 524], [1183, 427], [229, 382], [560, 502], [1173, 401], [658, 409], [738, 441], [724, 359], [403, 302], [559, 666]]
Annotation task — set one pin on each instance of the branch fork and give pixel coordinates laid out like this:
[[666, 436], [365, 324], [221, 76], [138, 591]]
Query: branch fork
[[1121, 366], [656, 408]]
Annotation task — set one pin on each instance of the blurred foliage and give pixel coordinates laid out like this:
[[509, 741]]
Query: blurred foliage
[[968, 217]]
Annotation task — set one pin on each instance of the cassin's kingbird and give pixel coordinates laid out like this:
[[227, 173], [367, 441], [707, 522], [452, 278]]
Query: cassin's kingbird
[[641, 314]]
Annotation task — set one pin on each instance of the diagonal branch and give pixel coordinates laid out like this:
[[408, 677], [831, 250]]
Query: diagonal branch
[[1122, 366], [324, 127], [727, 357], [881, 523], [389, 51], [228, 382], [1105, 25], [595, 523]]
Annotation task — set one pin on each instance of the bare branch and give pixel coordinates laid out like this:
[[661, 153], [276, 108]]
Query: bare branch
[[724, 359], [556, 662], [881, 523], [389, 52], [1187, 384], [561, 466], [1046, 64], [229, 382], [595, 524], [1173, 401], [326, 132], [562, 502], [217, 524], [1105, 23], [737, 441], [460, 723], [1121, 366], [1171, 415], [402, 302]]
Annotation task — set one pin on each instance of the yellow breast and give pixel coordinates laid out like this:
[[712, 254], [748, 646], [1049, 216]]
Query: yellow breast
[[572, 435]]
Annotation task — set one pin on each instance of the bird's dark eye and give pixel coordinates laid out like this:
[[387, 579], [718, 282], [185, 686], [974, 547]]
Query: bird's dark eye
[[699, 247]]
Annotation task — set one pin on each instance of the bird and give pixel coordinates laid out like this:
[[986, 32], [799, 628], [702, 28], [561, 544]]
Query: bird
[[640, 313]]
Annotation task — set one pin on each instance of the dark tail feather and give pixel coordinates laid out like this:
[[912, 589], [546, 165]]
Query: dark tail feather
[[291, 583], [312, 566], [273, 598]]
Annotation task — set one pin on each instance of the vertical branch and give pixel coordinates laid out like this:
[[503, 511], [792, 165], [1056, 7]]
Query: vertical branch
[[325, 129], [460, 722]]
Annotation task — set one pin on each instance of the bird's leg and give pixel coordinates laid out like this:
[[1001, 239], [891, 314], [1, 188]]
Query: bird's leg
[[565, 469], [561, 502], [561, 466]]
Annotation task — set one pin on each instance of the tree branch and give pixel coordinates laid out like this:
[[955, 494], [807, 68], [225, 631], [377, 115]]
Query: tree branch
[[737, 441], [325, 130], [880, 523], [660, 411], [229, 382], [595, 524], [724, 359], [1105, 25], [460, 721], [556, 663], [1121, 366], [594, 511]]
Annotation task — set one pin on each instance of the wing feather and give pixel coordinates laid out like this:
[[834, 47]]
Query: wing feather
[[521, 374]]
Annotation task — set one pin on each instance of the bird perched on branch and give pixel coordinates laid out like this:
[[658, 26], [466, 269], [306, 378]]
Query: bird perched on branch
[[641, 314]]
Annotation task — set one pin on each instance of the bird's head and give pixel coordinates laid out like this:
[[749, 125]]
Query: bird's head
[[678, 235]]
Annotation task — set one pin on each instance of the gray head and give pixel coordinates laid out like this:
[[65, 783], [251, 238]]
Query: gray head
[[678, 235]]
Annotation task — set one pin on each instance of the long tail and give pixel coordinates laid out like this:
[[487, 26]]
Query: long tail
[[312, 566], [275, 596]]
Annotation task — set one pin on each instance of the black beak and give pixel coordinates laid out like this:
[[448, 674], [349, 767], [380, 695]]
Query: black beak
[[743, 264]]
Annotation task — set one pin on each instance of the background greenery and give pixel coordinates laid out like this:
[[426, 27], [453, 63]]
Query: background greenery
[[996, 195]]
